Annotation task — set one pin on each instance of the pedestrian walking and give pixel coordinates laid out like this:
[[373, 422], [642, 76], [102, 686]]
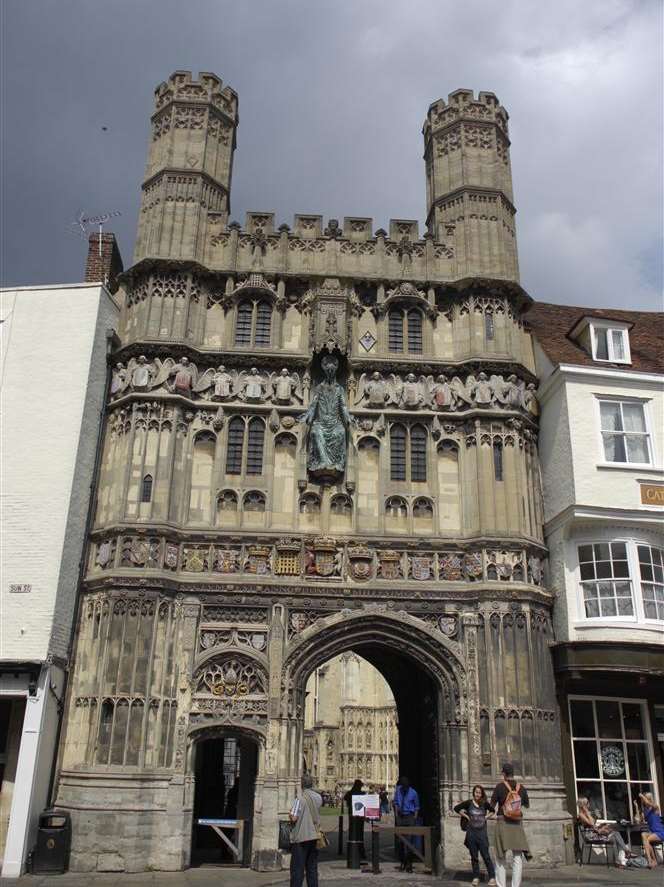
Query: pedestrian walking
[[508, 800], [474, 813], [355, 823], [305, 830], [384, 801], [406, 805]]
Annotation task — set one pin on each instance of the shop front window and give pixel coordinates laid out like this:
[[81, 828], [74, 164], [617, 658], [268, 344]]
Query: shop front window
[[613, 760]]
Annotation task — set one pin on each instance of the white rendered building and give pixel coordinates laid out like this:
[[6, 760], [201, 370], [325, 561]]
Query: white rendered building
[[53, 385], [602, 457]]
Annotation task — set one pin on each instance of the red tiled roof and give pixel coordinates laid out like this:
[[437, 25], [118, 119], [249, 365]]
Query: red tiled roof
[[551, 325]]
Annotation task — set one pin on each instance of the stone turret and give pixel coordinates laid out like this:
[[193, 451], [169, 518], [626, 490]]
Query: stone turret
[[189, 166], [469, 182]]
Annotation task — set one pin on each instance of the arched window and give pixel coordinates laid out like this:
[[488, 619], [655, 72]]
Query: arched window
[[422, 508], [396, 507], [263, 323], [341, 505], [488, 326], [243, 323], [395, 330], [253, 324], [227, 501], [235, 446], [414, 323], [254, 501], [255, 447], [309, 504], [227, 508], [498, 460], [404, 330], [408, 453], [146, 488], [397, 452], [418, 453]]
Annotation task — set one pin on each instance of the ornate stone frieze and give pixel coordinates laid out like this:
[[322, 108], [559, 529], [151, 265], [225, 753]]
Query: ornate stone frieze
[[322, 558], [168, 375], [440, 393]]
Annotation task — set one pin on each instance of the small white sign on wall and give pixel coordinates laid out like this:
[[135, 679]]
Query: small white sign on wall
[[20, 588]]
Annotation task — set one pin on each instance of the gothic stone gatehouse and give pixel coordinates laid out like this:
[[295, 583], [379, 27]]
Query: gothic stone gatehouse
[[318, 439]]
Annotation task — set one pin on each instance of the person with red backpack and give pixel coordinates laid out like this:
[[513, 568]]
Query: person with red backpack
[[508, 800]]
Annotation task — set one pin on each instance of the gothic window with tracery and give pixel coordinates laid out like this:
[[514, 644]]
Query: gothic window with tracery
[[146, 488], [245, 451], [254, 501], [341, 505], [404, 330], [235, 446], [418, 453], [498, 460], [397, 452], [253, 323], [396, 507], [255, 447], [408, 453]]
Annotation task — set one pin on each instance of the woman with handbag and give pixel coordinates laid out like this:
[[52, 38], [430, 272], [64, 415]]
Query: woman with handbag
[[474, 814], [306, 837]]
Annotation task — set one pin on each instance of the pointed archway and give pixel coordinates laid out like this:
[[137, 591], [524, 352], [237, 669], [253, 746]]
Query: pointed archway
[[428, 675]]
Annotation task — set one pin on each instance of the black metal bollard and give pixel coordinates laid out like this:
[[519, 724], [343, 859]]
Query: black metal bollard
[[353, 857], [340, 838], [375, 850]]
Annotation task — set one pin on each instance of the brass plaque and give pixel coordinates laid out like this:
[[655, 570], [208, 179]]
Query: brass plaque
[[652, 494]]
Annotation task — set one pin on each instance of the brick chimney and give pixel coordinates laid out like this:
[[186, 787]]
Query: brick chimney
[[104, 261]]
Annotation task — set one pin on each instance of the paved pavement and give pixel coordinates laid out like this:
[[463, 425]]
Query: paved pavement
[[336, 875]]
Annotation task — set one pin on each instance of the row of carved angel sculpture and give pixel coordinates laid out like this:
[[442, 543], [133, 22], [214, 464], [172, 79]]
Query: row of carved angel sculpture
[[182, 377], [412, 393], [374, 390]]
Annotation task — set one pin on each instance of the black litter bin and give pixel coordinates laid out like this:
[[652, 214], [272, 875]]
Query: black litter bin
[[51, 855]]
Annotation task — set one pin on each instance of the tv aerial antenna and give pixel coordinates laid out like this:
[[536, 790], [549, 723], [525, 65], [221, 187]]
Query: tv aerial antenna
[[83, 224]]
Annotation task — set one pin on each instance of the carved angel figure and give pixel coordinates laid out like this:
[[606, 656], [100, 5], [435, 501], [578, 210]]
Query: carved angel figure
[[374, 389], [483, 392], [412, 395], [285, 386], [118, 380], [141, 374], [186, 376], [252, 386], [219, 380], [442, 394], [463, 394]]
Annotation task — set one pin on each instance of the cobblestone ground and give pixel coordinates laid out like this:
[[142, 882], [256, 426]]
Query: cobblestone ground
[[335, 875]]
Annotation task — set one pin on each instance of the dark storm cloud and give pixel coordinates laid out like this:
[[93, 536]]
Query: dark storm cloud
[[332, 100]]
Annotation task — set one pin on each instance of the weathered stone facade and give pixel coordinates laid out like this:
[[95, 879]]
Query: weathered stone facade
[[222, 570]]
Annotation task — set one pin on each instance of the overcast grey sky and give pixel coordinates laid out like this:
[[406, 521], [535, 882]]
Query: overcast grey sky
[[332, 100]]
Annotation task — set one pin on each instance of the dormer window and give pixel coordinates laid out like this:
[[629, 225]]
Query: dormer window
[[604, 339], [610, 343]]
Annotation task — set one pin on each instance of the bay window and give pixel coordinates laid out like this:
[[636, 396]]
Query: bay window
[[621, 579]]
